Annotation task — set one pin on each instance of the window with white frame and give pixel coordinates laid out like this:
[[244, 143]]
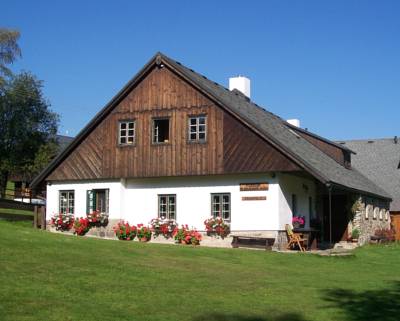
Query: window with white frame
[[368, 211], [126, 132], [197, 128], [67, 202], [167, 206], [221, 206], [376, 212]]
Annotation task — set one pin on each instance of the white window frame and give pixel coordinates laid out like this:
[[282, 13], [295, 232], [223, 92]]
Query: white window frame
[[199, 127], [128, 134], [169, 212], [66, 205], [221, 211]]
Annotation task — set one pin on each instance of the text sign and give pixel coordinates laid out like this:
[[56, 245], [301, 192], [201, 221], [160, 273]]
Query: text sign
[[253, 187], [254, 198]]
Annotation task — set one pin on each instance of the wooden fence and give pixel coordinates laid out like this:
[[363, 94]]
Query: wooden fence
[[35, 213]]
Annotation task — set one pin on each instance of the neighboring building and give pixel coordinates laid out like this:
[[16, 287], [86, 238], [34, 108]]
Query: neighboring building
[[173, 143], [20, 183], [379, 160]]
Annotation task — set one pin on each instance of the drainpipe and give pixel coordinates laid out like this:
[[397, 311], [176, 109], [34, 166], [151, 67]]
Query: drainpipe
[[329, 186]]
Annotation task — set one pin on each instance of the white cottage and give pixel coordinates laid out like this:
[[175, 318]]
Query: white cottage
[[173, 143]]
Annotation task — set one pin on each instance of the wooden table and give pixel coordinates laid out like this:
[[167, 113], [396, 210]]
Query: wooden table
[[311, 234]]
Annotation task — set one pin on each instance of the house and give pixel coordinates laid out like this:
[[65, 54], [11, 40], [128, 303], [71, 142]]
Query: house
[[175, 144], [379, 160], [18, 184]]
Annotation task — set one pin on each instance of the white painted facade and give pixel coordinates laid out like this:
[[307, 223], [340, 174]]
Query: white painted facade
[[136, 200]]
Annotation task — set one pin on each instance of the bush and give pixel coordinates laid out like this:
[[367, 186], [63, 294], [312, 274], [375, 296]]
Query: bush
[[162, 227], [81, 226], [143, 232], [97, 219], [186, 235], [355, 233], [217, 227], [124, 231], [62, 221]]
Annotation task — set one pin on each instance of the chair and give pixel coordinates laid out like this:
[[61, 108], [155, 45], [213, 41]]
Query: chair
[[295, 239]]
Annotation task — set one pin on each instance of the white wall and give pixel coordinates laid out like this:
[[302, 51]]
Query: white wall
[[136, 200], [303, 188], [116, 193]]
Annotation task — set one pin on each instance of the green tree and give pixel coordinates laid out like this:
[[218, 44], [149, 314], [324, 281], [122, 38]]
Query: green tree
[[9, 51], [26, 125]]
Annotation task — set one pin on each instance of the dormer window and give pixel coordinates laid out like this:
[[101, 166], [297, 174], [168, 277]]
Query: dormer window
[[126, 132], [160, 130], [197, 128]]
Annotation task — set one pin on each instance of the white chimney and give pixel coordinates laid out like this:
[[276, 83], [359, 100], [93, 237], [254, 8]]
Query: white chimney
[[240, 83], [294, 122]]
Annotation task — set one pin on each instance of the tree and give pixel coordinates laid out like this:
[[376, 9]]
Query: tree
[[9, 51], [26, 125]]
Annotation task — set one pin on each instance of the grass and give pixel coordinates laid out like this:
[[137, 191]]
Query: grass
[[15, 212], [46, 276]]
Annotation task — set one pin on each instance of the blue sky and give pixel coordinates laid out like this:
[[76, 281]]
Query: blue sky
[[335, 65]]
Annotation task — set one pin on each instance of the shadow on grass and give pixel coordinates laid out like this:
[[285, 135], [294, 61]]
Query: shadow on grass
[[239, 317], [369, 305]]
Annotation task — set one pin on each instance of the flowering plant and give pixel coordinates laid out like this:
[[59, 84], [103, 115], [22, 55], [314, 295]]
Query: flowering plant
[[143, 232], [217, 226], [185, 235], [81, 226], [161, 226], [97, 218], [298, 221], [62, 221], [124, 231]]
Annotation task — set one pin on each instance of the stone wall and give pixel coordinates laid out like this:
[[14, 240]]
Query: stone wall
[[369, 215]]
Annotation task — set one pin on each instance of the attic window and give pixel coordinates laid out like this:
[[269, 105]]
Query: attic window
[[197, 129], [160, 130], [126, 132]]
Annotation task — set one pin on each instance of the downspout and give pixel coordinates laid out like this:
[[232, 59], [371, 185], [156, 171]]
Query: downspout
[[329, 186]]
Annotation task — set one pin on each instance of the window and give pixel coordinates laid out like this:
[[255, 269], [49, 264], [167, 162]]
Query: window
[[386, 215], [294, 204], [376, 211], [368, 211], [221, 206], [197, 129], [160, 130], [97, 200], [67, 202], [167, 206], [126, 132], [381, 213]]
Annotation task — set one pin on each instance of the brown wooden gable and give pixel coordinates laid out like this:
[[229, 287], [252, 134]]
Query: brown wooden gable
[[231, 147]]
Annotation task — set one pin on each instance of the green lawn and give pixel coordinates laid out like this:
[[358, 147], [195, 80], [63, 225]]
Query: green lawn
[[45, 276], [15, 212]]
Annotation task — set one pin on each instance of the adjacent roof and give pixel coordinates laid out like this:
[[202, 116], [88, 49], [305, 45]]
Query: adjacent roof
[[269, 126], [379, 160]]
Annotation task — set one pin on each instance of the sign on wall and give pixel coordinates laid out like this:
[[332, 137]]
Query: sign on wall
[[254, 198], [254, 187]]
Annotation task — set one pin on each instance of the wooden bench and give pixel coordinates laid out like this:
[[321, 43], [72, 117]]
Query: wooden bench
[[252, 242]]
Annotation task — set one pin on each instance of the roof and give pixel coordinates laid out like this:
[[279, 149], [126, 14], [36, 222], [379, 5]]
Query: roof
[[379, 160], [63, 142], [269, 126]]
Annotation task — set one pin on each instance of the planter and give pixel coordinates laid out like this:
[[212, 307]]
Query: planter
[[297, 225], [354, 240], [144, 239]]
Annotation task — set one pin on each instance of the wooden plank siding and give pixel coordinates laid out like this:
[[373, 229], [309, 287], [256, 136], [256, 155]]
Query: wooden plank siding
[[334, 152], [230, 146]]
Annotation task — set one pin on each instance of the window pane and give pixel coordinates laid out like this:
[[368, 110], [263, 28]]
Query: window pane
[[193, 121], [123, 140], [202, 128], [202, 136], [123, 125], [131, 125], [202, 120], [123, 132]]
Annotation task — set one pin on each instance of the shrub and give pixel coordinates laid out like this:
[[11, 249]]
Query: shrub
[[216, 226], [162, 227], [386, 235], [97, 218], [81, 226], [62, 221], [186, 235], [355, 233], [124, 231], [298, 220], [143, 232]]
